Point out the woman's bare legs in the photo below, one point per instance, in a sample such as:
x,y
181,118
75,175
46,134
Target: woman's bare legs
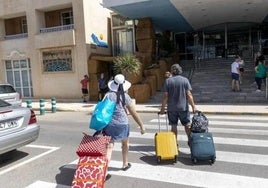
x,y
125,146
109,150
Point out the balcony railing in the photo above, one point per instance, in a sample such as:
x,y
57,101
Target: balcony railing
x,y
57,28
17,36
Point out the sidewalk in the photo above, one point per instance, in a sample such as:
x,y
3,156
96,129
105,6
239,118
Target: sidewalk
x,y
76,106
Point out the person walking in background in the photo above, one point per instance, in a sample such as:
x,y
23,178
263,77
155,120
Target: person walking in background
x,y
102,86
260,75
118,128
259,57
241,69
177,95
235,74
84,83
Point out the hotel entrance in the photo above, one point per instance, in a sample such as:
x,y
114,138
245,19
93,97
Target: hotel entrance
x,y
221,41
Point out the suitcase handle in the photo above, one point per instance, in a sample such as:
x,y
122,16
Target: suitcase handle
x,y
159,123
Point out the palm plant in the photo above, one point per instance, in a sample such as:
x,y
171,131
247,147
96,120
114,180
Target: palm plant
x,y
126,64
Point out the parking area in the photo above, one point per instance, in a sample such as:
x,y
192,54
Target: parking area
x,y
23,156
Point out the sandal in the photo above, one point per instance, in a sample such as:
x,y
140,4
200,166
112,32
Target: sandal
x,y
126,167
108,176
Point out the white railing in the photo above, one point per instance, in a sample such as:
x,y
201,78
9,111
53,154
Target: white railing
x,y
17,36
57,28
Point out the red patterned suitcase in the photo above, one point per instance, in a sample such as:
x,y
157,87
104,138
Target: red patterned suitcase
x,y
90,172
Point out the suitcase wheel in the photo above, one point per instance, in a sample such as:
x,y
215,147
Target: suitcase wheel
x,y
194,160
213,160
158,159
175,159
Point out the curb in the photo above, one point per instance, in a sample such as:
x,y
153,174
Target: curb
x,y
155,111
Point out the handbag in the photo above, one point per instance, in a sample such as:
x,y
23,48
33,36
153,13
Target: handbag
x,y
93,145
102,114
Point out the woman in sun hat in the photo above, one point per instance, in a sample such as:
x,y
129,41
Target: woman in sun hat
x,y
118,128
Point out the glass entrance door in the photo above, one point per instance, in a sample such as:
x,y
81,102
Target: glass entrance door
x,y
18,73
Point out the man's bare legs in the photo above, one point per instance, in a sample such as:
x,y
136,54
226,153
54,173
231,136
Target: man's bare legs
x,y
174,130
235,85
187,129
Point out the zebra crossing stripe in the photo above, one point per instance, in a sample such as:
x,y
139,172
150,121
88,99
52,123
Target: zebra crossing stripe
x,y
237,117
232,117
186,176
224,156
217,140
217,130
43,184
229,123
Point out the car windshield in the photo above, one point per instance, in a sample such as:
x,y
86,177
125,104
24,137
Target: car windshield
x,y
6,89
3,103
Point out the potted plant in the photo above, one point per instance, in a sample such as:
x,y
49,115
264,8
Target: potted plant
x,y
127,64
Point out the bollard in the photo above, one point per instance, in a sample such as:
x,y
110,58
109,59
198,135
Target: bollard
x,y
42,106
53,105
29,104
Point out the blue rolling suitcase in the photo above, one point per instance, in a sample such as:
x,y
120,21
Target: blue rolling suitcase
x,y
202,147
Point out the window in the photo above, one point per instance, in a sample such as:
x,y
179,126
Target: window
x,y
24,25
67,18
15,26
57,60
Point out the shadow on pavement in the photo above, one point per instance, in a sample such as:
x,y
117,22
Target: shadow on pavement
x,y
66,175
11,157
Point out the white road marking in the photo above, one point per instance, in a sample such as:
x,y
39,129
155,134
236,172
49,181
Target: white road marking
x,y
231,117
43,184
237,117
216,130
50,150
217,140
224,156
186,176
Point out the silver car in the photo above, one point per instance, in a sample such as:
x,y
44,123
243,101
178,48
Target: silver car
x,y
18,127
9,94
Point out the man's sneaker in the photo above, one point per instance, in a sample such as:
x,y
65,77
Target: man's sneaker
x,y
258,90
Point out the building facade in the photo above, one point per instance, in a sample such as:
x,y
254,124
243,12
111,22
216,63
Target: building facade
x,y
45,45
205,29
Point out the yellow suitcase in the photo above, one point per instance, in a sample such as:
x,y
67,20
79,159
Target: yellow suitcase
x,y
166,147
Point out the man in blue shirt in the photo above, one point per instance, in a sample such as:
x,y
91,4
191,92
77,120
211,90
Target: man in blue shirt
x,y
102,86
177,95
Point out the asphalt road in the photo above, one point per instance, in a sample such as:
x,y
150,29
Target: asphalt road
x,y
241,147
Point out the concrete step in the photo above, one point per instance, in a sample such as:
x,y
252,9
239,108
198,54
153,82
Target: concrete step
x,y
211,83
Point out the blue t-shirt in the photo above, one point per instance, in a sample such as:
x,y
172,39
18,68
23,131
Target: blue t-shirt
x,y
102,83
119,116
176,87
